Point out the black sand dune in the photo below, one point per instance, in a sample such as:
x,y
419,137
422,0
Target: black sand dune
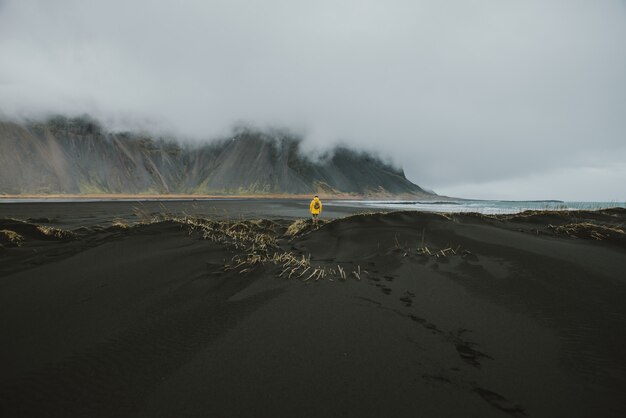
x,y
455,315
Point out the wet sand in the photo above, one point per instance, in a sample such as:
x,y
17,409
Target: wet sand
x,y
517,316
77,214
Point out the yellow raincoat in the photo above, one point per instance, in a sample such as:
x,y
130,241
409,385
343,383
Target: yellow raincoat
x,y
312,208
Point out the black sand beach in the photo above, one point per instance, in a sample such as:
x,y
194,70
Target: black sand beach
x,y
118,309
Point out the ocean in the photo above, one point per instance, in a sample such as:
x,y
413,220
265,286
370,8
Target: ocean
x,y
487,207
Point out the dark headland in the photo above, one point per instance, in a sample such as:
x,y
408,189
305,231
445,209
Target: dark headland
x,y
78,156
236,308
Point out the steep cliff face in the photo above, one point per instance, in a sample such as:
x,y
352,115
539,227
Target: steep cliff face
x,y
78,156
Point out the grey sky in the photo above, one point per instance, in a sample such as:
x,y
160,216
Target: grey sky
x,y
492,99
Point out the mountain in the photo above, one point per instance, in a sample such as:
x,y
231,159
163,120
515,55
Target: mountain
x,y
78,156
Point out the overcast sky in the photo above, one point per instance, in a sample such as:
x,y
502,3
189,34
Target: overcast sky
x,y
503,99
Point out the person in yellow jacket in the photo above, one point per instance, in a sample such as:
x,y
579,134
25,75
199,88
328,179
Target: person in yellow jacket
x,y
316,208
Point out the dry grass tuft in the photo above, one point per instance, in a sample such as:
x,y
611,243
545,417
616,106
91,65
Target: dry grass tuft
x,y
257,244
120,224
532,213
55,233
588,230
242,235
10,238
298,227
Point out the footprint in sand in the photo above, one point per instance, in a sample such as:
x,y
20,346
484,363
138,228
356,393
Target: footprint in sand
x,y
417,319
468,256
468,354
428,325
500,402
407,300
386,290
